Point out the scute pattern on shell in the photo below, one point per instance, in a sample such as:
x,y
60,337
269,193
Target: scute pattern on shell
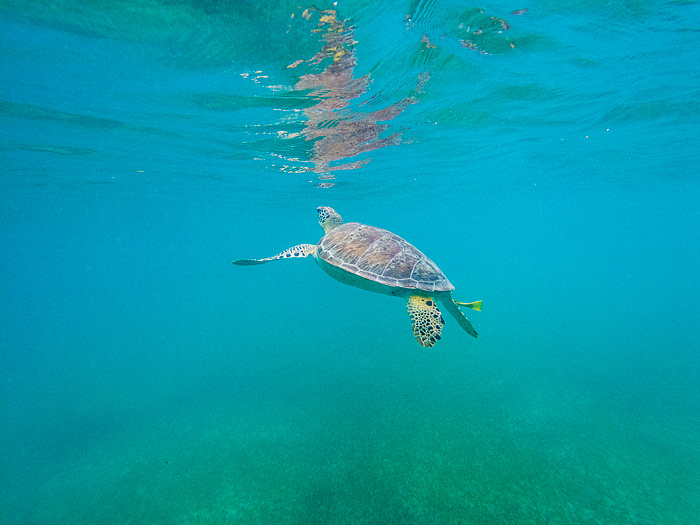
x,y
381,256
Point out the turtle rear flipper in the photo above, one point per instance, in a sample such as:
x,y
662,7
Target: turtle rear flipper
x,y
300,250
452,307
426,319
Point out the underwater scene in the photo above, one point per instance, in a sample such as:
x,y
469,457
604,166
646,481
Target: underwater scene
x,y
415,158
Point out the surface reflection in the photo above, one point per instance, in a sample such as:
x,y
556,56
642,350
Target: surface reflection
x,y
339,130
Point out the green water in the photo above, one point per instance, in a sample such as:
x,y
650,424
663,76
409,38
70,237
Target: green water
x,y
546,160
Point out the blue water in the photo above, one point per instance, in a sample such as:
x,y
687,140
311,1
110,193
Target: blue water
x,y
546,160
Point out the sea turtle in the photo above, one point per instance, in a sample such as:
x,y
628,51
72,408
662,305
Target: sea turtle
x,y
380,261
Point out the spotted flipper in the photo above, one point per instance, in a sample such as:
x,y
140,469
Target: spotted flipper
x,y
426,319
300,250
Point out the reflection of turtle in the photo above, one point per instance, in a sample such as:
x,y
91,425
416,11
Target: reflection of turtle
x,y
379,261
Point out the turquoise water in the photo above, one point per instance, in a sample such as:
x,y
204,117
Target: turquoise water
x,y
547,161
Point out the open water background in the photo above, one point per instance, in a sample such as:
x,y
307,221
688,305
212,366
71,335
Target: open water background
x,y
546,160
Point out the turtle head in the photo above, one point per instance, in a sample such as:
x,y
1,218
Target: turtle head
x,y
328,218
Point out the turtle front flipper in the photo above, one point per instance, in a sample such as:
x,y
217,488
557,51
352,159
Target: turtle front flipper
x,y
300,250
426,319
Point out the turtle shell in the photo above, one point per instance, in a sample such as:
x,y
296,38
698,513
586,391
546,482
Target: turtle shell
x,y
381,256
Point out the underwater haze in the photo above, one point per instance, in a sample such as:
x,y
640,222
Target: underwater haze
x,y
544,155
